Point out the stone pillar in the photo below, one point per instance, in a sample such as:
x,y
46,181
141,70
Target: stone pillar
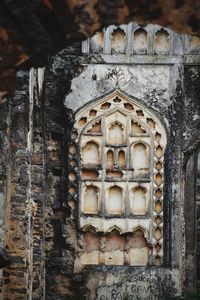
x,y
4,129
190,223
198,226
24,279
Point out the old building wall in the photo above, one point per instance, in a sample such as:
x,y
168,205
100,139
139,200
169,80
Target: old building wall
x,y
155,83
23,182
42,222
4,158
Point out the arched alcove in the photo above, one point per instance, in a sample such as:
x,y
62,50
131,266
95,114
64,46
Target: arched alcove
x,y
110,159
97,42
121,176
161,43
116,134
139,201
114,201
90,153
121,159
118,41
140,158
194,45
91,197
140,43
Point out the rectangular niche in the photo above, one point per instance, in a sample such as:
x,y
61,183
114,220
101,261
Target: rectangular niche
x,y
91,195
115,193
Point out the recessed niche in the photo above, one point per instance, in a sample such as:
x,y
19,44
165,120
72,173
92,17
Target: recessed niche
x,y
128,106
158,260
157,247
72,176
137,249
105,106
91,199
158,193
110,159
158,233
139,206
151,123
158,206
140,41
90,153
96,42
116,134
89,174
158,165
114,201
140,158
161,45
92,113
74,135
71,203
121,178
158,179
96,128
121,159
116,174
158,137
194,45
117,100
159,151
82,121
118,43
139,113
71,190
158,220
136,128
72,149
72,163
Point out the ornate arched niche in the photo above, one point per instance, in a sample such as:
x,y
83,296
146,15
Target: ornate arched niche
x,y
140,41
118,41
162,42
117,164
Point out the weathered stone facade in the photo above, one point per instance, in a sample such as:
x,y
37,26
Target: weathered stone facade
x,y
157,70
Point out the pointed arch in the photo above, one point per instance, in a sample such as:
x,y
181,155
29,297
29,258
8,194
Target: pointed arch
x,y
143,229
115,228
89,227
162,42
129,140
140,41
118,41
